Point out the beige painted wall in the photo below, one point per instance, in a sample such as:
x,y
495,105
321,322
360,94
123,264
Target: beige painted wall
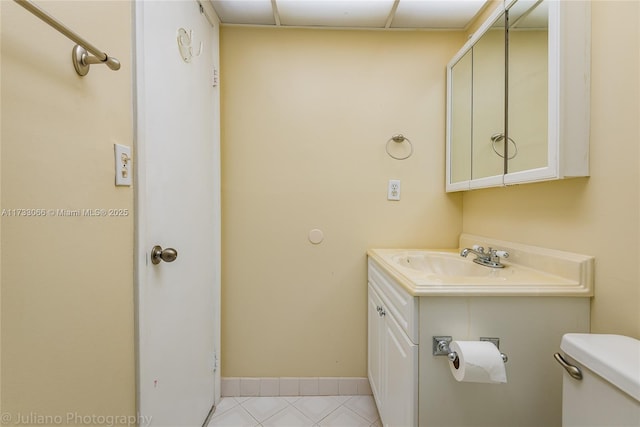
x,y
67,282
599,215
306,115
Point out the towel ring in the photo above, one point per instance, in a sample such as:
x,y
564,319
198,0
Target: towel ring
x,y
399,138
497,137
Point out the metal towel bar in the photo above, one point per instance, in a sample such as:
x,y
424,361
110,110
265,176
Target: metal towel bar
x,y
81,58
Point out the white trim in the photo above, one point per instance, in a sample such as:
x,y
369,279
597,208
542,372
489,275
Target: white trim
x,y
487,181
217,197
140,181
321,27
295,386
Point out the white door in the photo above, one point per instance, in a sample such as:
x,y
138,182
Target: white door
x,y
178,204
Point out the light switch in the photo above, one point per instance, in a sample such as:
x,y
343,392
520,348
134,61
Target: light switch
x,y
124,164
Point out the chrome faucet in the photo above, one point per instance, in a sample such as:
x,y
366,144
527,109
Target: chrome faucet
x,y
491,258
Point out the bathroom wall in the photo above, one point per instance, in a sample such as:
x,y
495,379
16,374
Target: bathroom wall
x,y
67,279
598,215
306,115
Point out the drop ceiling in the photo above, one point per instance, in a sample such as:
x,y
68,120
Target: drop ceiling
x,y
371,14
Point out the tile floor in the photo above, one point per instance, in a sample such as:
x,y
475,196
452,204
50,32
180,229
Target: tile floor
x,y
297,411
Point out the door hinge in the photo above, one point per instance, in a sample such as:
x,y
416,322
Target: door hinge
x,y
215,363
215,77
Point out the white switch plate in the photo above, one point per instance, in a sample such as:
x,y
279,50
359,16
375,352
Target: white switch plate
x,y
124,164
393,190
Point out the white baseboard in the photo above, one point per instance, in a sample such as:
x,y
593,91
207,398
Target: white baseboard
x,y
294,386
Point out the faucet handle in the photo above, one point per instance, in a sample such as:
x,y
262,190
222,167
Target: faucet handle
x,y
503,254
478,248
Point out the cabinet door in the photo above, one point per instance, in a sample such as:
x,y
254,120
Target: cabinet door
x,y
488,103
400,376
538,129
374,328
528,87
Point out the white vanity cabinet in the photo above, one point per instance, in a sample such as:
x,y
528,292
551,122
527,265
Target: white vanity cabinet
x,y
392,349
416,295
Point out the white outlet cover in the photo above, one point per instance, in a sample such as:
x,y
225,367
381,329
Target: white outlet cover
x,y
393,190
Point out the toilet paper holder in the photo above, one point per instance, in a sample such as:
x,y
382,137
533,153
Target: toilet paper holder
x,y
441,347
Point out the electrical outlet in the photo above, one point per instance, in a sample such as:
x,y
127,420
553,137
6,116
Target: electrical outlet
x,y
393,190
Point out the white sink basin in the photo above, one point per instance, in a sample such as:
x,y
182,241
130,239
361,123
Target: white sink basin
x,y
529,270
448,265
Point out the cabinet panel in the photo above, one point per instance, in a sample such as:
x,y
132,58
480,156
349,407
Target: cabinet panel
x,y
400,377
392,354
398,301
374,365
460,120
530,330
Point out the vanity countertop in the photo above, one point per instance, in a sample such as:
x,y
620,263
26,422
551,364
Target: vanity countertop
x,y
528,271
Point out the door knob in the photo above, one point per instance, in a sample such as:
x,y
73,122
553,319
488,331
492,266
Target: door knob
x,y
167,255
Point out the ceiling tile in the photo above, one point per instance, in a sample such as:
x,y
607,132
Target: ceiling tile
x,y
256,12
435,13
335,13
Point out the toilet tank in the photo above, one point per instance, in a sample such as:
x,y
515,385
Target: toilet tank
x,y
609,392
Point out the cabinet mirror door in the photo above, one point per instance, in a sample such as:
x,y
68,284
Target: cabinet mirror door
x,y
476,103
460,116
539,129
488,102
528,146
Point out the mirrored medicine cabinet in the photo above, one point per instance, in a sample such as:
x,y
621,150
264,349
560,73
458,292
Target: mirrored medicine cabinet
x,y
518,97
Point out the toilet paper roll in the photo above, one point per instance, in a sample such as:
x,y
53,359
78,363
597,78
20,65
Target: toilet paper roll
x,y
478,362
